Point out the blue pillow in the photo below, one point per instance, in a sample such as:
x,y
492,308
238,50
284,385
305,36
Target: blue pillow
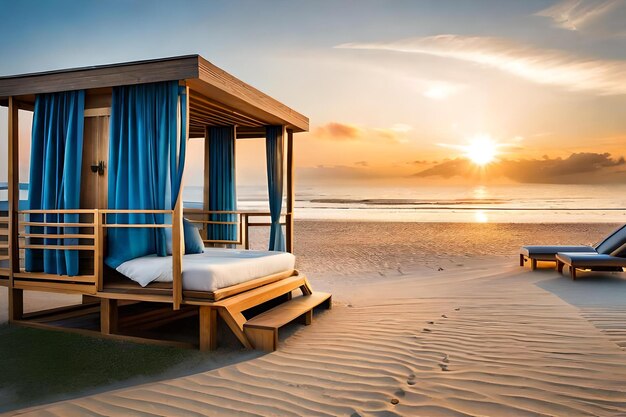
x,y
193,240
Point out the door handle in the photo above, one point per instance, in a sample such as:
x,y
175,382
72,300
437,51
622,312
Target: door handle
x,y
98,168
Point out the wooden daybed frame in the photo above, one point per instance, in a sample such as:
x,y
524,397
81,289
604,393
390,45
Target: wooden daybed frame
x,y
214,97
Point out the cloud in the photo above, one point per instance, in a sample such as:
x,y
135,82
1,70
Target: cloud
x,y
577,168
346,132
362,164
597,17
338,131
543,66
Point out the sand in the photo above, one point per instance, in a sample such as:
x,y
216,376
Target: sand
x,y
480,337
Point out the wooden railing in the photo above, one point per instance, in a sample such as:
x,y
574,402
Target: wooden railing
x,y
37,227
84,230
104,223
4,246
243,221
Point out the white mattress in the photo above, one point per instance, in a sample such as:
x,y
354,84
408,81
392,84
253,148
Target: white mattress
x,y
209,271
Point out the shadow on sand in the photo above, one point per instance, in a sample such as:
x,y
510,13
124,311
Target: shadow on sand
x,y
589,289
43,366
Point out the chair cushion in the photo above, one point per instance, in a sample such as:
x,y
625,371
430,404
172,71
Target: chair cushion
x,y
590,260
613,242
549,252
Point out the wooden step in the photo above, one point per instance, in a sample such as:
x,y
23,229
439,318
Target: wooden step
x,y
262,330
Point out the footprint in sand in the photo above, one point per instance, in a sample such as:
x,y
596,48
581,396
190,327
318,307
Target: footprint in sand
x,y
457,309
444,316
445,359
399,393
431,322
443,366
411,379
395,401
426,330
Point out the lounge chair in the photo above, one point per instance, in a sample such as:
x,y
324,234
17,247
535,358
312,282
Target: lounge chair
x,y
612,245
589,261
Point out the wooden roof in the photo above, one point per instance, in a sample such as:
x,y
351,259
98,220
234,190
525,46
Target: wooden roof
x,y
216,97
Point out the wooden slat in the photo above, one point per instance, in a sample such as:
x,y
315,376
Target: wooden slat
x,y
210,222
239,288
57,211
222,87
60,247
200,211
142,226
287,311
134,211
90,279
153,298
48,224
259,295
60,287
236,242
204,105
56,236
57,311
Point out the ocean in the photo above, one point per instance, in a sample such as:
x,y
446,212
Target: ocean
x,y
523,203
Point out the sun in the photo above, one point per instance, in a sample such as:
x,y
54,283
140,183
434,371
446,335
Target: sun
x,y
481,150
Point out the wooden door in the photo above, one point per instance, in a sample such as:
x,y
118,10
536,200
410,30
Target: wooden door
x,y
93,187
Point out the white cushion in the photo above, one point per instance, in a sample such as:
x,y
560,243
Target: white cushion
x,y
209,271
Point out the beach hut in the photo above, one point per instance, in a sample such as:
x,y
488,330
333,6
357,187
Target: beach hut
x,y
105,216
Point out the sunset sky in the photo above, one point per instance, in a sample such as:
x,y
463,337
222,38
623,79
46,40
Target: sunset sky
x,y
395,90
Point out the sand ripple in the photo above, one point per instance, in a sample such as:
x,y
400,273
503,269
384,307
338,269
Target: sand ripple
x,y
470,342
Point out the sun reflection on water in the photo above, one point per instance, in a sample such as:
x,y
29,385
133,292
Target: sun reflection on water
x,y
480,216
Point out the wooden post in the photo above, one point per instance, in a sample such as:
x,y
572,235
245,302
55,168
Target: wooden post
x,y
16,302
290,191
178,242
208,328
207,172
108,316
98,258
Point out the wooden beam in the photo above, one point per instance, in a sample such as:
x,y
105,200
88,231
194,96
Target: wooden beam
x,y
16,304
14,190
138,72
108,316
208,328
178,240
207,177
290,191
98,266
207,170
218,85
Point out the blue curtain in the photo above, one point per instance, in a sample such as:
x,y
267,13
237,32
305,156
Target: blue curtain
x,y
146,162
274,154
222,187
55,165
